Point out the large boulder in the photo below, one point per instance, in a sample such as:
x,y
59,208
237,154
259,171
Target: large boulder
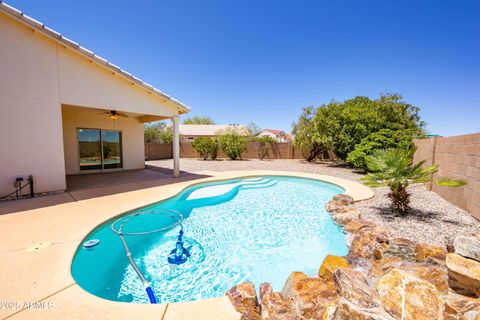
x,y
353,286
345,215
401,248
364,245
330,264
350,311
409,298
468,246
436,275
424,251
244,300
276,307
309,296
458,307
344,198
463,275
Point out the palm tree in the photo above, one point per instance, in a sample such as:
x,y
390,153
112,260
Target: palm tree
x,y
394,168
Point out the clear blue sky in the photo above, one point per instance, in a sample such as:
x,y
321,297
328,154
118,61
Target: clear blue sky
x,y
263,60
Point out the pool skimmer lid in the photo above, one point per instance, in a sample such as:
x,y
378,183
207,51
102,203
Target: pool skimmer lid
x,y
89,244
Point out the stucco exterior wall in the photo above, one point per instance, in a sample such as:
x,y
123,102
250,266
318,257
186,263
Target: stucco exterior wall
x,y
30,117
37,76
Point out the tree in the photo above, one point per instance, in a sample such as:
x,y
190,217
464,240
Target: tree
x,y
307,137
394,168
253,129
382,139
198,120
233,141
206,147
158,132
341,126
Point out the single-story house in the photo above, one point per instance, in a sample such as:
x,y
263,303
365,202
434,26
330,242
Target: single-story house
x,y
188,132
65,110
278,135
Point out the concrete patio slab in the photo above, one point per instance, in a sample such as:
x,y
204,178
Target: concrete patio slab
x,y
208,309
75,303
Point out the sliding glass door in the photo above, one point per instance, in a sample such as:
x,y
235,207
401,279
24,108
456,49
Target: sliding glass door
x,y
99,149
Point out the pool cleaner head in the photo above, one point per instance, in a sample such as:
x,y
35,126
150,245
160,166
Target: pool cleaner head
x,y
180,254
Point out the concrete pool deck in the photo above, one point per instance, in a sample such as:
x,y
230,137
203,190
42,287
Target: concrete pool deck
x,y
37,246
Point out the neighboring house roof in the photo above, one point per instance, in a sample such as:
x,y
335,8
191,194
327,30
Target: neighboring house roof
x,y
203,129
278,133
66,42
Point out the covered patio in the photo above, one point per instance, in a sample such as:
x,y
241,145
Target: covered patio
x,y
70,111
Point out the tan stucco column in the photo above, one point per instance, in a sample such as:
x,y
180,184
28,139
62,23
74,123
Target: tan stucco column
x,y
176,147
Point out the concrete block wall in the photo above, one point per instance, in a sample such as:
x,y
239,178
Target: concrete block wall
x,y
156,151
457,157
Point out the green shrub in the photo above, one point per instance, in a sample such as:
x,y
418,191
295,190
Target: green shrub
x,y
382,139
233,141
206,147
264,145
341,126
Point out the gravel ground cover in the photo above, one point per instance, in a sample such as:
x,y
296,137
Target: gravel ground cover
x,y
433,220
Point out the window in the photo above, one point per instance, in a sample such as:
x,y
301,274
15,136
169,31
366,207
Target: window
x,y
99,149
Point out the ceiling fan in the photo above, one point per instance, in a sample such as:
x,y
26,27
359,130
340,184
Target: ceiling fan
x,y
113,114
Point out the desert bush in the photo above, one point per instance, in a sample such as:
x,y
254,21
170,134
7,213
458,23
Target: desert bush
x,y
206,147
233,141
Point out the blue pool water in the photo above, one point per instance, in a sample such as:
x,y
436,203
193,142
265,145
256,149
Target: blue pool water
x,y
259,230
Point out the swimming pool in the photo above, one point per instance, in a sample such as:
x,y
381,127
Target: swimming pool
x,y
253,229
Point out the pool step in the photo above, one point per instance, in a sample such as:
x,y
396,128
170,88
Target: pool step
x,y
222,189
268,184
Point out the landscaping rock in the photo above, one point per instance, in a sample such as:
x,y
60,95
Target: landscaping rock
x,y
424,251
345,215
458,307
364,245
356,225
346,199
468,246
380,232
276,307
264,289
463,275
401,248
436,261
244,300
436,275
353,286
330,264
364,266
334,206
407,297
350,311
310,296
449,244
